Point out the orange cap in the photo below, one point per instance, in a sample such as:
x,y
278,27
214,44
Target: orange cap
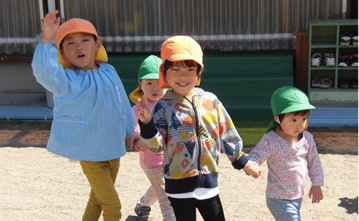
x,y
76,25
179,48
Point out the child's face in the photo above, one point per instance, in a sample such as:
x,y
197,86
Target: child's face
x,y
80,50
292,125
152,90
182,79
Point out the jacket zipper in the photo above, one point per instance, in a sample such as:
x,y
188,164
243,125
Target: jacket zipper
x,y
198,137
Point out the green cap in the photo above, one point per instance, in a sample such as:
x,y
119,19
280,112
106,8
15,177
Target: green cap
x,y
286,100
149,68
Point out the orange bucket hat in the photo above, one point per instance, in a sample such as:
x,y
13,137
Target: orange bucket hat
x,y
179,48
76,25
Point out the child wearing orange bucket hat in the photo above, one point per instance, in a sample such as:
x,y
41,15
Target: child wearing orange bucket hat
x,y
191,126
290,152
92,113
151,163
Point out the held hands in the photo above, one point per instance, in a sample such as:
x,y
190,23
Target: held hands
x,y
252,169
136,144
315,194
50,26
143,112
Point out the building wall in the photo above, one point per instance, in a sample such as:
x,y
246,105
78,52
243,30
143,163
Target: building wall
x,y
18,78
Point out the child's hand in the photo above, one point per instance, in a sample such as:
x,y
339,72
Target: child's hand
x,y
50,26
252,169
316,194
143,112
140,145
130,141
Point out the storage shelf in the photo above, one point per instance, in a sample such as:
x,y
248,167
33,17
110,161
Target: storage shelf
x,y
324,37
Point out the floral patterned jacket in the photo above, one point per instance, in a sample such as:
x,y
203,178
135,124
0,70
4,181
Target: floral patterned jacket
x,y
191,134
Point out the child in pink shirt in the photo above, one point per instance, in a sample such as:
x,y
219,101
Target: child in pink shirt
x,y
151,163
290,152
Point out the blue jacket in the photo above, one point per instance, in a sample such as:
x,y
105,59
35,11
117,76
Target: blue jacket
x,y
92,114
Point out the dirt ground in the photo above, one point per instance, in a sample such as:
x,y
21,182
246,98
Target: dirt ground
x,y
37,185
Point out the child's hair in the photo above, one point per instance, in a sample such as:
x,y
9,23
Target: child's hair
x,y
94,37
296,113
185,63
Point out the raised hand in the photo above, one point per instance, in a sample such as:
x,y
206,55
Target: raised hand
x,y
50,26
143,112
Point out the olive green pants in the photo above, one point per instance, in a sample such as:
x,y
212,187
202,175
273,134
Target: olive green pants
x,y
103,197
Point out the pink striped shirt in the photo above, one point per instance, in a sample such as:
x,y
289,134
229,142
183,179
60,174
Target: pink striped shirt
x,y
147,157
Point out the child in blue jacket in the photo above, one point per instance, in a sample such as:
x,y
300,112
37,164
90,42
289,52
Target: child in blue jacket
x,y
92,114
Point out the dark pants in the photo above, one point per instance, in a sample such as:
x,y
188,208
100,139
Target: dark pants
x,y
185,209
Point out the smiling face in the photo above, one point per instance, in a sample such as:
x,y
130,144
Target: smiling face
x,y
292,125
152,90
80,50
182,78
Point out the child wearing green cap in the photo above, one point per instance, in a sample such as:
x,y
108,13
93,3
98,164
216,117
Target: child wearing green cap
x,y
290,152
191,126
151,163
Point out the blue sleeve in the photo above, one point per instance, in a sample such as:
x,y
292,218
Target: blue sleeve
x,y
130,119
48,71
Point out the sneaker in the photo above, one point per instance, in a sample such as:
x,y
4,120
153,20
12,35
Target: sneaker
x,y
355,39
345,39
329,60
316,82
353,60
143,212
316,59
344,60
326,83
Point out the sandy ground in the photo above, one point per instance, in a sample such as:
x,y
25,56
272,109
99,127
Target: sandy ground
x,y
37,185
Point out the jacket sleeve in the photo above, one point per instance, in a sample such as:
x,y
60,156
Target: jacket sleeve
x,y
129,118
231,142
48,71
155,131
315,169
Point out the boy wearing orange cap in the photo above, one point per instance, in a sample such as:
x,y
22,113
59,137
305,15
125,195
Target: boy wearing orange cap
x,y
92,114
191,126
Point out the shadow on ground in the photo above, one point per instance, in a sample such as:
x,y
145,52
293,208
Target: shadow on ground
x,y
351,205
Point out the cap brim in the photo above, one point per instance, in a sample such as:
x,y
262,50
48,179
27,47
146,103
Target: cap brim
x,y
101,56
298,107
182,57
150,76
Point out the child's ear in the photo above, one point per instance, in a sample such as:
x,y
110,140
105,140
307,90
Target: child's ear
x,y
63,54
276,119
98,43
